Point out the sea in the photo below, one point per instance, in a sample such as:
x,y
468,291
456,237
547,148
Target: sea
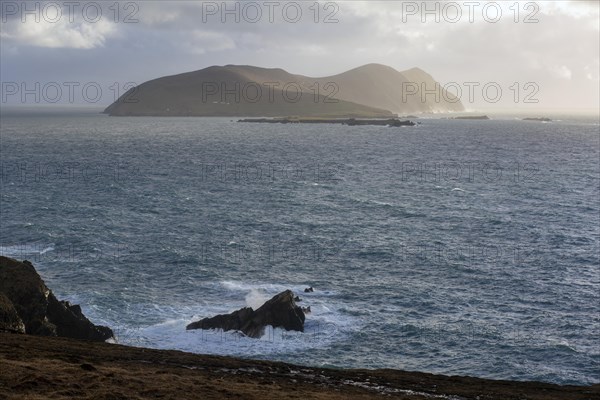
x,y
459,247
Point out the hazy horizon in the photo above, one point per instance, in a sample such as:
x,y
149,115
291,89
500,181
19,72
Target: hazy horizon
x,y
547,61
9,109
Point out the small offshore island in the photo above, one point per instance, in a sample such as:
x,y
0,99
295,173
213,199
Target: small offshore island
x,y
473,117
392,122
49,349
538,119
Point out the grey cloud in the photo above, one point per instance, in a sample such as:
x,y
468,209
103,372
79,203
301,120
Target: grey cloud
x,y
171,37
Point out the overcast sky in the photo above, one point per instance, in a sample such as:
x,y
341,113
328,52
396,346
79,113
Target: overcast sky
x,y
557,51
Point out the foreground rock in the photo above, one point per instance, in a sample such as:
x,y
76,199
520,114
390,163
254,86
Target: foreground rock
x,y
28,306
33,367
279,312
9,318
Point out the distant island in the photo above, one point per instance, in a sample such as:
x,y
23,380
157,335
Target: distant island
x,y
370,91
539,119
391,122
477,117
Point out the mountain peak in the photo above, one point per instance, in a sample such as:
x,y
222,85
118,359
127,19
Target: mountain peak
x,y
371,90
374,68
416,70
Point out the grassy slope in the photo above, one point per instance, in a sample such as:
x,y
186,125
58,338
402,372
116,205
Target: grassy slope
x,y
41,367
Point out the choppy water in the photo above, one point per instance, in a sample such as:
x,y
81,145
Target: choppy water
x,y
455,247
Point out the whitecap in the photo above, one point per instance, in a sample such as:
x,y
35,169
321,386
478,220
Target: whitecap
x,y
171,334
271,288
255,298
381,203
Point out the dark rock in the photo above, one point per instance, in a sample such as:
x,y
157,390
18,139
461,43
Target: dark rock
x,y
38,309
539,119
87,367
309,290
298,299
397,122
349,122
9,318
480,117
228,322
306,310
280,312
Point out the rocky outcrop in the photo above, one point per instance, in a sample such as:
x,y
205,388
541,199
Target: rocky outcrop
x,y
539,119
478,117
9,318
38,310
279,312
392,122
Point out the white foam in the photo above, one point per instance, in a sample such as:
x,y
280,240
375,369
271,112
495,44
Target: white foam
x,y
381,203
271,289
246,287
255,299
172,334
325,325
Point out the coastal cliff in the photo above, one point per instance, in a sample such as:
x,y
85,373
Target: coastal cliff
x,y
27,305
36,363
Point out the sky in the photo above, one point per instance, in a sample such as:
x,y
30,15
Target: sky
x,y
497,55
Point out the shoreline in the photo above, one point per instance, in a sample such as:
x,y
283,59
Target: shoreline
x,y
36,367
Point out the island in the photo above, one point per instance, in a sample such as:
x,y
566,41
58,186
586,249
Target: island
x,y
474,117
539,119
369,91
392,122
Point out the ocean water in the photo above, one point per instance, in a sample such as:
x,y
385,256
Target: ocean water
x,y
454,247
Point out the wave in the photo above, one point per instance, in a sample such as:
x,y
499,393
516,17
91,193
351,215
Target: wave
x,y
270,288
171,334
319,332
370,202
161,324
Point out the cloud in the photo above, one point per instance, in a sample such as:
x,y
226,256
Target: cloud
x,y
61,34
592,71
573,8
561,72
560,51
200,41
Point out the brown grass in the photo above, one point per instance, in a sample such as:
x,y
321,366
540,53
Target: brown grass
x,y
34,367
